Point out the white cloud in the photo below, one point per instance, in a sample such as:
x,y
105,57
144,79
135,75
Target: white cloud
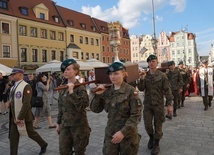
x,y
180,5
131,12
128,12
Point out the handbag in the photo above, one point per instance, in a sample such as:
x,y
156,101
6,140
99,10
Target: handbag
x,y
37,102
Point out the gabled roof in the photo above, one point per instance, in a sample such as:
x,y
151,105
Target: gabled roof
x,y
74,46
15,5
78,19
102,26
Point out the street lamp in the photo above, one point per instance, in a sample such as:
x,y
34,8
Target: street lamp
x,y
154,40
114,37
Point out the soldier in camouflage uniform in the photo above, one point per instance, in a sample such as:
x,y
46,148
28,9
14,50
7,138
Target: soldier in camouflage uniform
x,y
124,107
186,83
176,82
155,84
72,123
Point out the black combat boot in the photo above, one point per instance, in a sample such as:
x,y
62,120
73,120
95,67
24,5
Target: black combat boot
x,y
210,104
182,104
179,104
174,113
151,141
156,148
43,149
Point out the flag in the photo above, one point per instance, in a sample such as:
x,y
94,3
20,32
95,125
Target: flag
x,y
143,50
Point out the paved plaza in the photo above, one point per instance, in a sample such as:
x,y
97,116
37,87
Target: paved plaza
x,y
191,133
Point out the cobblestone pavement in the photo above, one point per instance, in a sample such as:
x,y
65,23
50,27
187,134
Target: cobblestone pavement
x,y
190,133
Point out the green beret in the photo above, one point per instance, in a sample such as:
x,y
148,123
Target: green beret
x,y
151,57
180,62
170,63
115,66
67,63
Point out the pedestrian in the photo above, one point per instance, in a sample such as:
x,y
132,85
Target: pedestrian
x,y
92,86
21,117
42,89
123,105
3,95
195,81
186,83
155,84
32,82
72,123
176,82
206,80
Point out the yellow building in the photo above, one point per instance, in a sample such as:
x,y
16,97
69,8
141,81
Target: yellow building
x,y
8,41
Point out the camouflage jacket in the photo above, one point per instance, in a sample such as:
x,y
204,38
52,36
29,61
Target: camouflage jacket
x,y
175,79
155,86
185,75
124,109
71,107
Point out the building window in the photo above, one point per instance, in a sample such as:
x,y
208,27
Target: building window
x,y
103,38
86,40
42,16
44,55
104,59
81,39
56,19
53,55
97,42
52,35
24,11
83,25
22,30
61,57
5,28
92,41
75,54
34,55
189,51
33,32
92,55
71,22
93,28
44,33
23,55
6,51
87,56
4,5
82,55
97,56
103,28
61,36
72,38
178,51
103,48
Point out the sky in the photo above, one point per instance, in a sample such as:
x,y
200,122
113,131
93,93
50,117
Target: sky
x,y
194,16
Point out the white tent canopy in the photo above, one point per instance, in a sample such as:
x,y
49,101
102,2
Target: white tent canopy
x,y
5,70
96,63
54,66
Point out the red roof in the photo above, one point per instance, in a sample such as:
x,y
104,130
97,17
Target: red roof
x,y
78,19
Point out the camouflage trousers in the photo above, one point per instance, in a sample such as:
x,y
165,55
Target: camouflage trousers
x,y
175,94
128,146
182,95
72,141
157,113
